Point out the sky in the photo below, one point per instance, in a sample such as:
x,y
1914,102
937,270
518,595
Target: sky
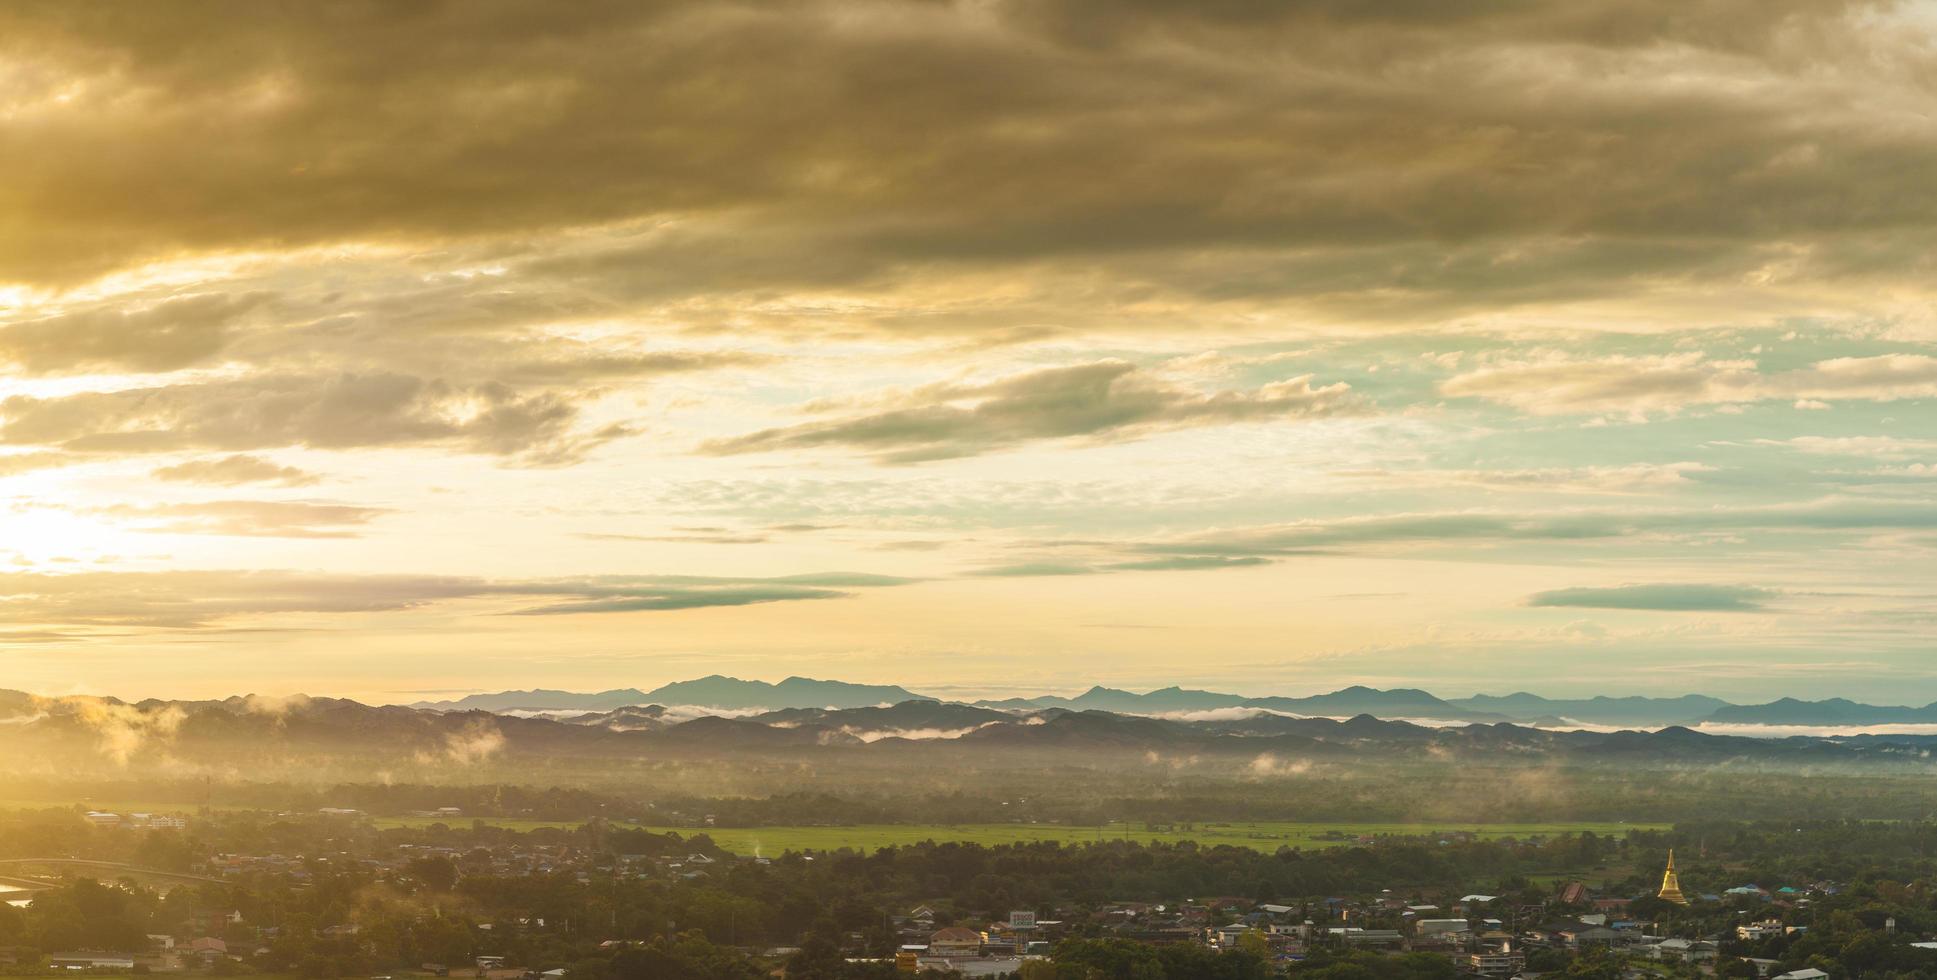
x,y
400,350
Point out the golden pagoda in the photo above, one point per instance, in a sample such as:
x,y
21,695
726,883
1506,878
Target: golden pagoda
x,y
1671,885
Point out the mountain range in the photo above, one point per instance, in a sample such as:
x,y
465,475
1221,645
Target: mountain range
x,y
794,723
308,735
713,691
736,695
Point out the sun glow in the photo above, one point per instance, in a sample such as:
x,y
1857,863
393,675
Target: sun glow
x,y
43,536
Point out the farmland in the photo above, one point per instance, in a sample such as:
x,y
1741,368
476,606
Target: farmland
x,y
1262,836
775,839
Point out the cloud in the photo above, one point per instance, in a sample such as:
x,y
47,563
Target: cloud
x,y
1268,764
1187,563
912,734
322,354
193,599
1624,479
1663,598
1036,569
169,335
121,730
457,229
912,544
612,366
656,600
1559,384
13,464
1814,731
1408,159
229,471
208,599
1179,563
1822,668
1100,400
44,636
1827,515
837,579
275,706
1893,448
322,412
477,742
710,535
687,536
248,518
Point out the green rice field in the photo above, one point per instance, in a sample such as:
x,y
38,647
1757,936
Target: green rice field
x,y
1263,835
1266,836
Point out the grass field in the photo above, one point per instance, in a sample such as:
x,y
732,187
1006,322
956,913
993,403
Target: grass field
x,y
149,806
509,823
1263,836
1259,836
107,803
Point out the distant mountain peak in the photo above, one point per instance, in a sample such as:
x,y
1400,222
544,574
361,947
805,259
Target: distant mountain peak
x,y
721,691
717,691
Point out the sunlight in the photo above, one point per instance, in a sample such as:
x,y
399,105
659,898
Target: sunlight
x,y
37,535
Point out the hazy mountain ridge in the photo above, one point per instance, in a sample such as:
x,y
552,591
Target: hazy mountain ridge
x,y
722,694
542,700
1832,711
713,691
907,715
800,693
1599,710
251,732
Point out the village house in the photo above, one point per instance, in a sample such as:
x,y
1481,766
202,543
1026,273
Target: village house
x,y
1500,963
954,941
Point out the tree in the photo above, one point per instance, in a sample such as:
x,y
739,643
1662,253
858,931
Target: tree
x,y
436,873
1045,970
1254,943
1734,967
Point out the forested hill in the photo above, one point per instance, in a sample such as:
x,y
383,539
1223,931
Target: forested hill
x,y
732,694
254,735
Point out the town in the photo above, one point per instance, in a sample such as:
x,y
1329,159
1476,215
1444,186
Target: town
x,y
338,893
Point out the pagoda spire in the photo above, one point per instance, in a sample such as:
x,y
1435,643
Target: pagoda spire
x,y
1671,884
